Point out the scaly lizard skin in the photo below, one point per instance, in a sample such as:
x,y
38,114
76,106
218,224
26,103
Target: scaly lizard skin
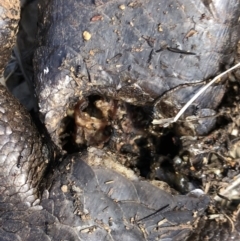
x,y
47,195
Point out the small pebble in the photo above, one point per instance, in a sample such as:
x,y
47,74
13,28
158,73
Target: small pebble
x,y
86,35
234,132
160,28
122,7
64,188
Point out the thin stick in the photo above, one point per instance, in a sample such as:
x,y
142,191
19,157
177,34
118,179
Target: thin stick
x,y
201,91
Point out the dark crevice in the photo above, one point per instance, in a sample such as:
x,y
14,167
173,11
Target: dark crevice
x,y
149,150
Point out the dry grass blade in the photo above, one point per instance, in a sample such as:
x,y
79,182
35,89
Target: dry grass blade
x,y
201,91
227,192
166,122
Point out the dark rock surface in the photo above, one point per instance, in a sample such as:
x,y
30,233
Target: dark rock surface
x,y
138,52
